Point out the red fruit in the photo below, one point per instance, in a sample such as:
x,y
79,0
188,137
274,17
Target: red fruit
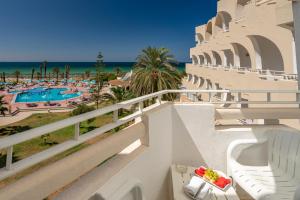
x,y
222,182
202,168
199,172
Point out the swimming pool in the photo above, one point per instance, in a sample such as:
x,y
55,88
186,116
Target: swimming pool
x,y
45,94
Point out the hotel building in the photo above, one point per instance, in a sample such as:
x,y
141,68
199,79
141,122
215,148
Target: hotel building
x,y
249,44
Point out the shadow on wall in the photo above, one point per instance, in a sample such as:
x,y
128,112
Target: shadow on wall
x,y
185,151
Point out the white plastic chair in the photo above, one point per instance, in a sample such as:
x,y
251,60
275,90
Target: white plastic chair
x,y
277,180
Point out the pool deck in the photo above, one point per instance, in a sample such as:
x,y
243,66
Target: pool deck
x,y
41,107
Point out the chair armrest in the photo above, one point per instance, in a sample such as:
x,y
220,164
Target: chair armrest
x,y
236,147
297,193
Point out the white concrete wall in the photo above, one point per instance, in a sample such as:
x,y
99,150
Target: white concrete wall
x,y
296,10
178,134
198,121
152,166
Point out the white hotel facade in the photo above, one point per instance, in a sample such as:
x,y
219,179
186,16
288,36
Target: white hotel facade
x,y
249,44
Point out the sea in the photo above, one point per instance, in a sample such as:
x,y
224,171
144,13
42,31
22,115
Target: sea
x,y
76,67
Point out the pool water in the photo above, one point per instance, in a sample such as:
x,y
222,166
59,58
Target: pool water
x,y
44,94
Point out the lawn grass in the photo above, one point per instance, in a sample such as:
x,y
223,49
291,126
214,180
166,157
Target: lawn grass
x,y
30,147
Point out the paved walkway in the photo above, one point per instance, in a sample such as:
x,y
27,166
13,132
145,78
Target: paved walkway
x,y
9,120
23,115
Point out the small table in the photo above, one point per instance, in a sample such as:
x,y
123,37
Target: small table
x,y
180,179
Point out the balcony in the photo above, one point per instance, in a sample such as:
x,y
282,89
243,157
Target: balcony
x,y
140,156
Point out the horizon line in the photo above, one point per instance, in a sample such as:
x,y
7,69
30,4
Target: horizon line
x,y
78,61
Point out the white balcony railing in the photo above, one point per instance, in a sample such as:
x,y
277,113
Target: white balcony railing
x,y
275,74
9,141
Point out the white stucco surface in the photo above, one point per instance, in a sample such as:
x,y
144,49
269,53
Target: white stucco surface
x,y
177,134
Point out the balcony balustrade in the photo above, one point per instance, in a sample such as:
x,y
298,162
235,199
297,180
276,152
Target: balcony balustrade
x,y
9,142
264,73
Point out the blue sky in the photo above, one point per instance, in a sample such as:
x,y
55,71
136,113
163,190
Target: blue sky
x,y
75,30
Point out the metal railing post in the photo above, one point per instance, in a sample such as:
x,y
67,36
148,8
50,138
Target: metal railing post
x,y
158,100
238,99
141,107
268,96
77,131
116,115
9,157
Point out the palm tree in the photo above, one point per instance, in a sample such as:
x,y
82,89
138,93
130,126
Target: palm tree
x,y
2,108
32,73
155,70
41,70
56,72
87,74
67,72
38,75
118,71
45,68
17,75
116,95
3,77
99,78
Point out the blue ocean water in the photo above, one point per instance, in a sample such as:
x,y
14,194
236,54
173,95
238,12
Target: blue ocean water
x,y
76,67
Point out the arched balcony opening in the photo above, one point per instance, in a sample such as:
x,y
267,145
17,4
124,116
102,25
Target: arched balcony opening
x,y
217,59
201,60
199,38
241,56
228,58
222,21
195,60
208,32
207,59
267,55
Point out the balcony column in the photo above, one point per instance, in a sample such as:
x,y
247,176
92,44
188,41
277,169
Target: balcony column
x,y
236,56
205,60
295,70
258,59
199,81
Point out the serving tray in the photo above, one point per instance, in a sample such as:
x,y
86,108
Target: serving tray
x,y
214,185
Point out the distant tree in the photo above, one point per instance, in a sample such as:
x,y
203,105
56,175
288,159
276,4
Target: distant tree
x,y
3,109
155,70
38,75
87,74
49,76
82,108
41,70
99,78
3,77
56,72
45,68
67,72
32,73
62,75
118,71
118,94
17,74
